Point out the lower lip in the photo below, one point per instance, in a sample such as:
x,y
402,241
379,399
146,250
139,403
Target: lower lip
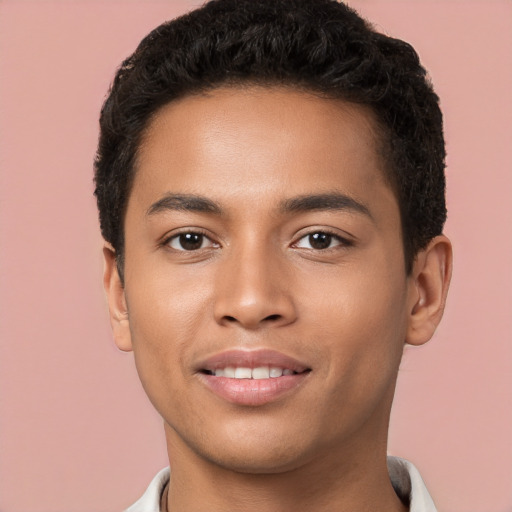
x,y
253,392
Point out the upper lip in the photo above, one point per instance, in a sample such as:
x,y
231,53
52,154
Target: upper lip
x,y
251,359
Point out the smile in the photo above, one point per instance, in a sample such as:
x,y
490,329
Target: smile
x,y
252,378
261,372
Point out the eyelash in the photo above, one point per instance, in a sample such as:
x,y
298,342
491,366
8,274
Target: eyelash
x,y
342,242
167,241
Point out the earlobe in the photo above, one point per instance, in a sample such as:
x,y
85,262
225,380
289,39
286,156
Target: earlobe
x,y
116,298
430,280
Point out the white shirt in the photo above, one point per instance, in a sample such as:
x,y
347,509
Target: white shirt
x,y
404,476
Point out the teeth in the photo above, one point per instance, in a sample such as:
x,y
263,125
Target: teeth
x,y
243,373
229,371
261,372
276,372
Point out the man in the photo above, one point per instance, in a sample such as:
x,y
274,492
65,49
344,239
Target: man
x,y
270,180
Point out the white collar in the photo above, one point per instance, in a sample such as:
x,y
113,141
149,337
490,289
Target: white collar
x,y
150,500
409,485
405,478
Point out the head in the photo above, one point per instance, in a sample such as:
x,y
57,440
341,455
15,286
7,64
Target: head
x,y
319,46
271,192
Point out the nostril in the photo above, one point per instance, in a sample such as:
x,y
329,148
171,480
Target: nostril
x,y
269,318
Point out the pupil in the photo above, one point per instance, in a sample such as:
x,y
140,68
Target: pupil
x,y
191,241
320,240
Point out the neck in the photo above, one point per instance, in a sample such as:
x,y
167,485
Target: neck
x,y
353,477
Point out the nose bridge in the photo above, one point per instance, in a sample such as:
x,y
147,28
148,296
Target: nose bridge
x,y
251,289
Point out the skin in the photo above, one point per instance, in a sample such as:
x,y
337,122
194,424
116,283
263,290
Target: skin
x,y
258,282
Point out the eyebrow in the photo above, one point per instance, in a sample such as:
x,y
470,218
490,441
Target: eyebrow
x,y
185,203
328,201
305,203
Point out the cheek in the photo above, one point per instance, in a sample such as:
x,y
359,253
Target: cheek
x,y
166,305
166,313
362,302
361,318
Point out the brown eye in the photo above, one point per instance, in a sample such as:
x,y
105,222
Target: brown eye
x,y
189,241
319,241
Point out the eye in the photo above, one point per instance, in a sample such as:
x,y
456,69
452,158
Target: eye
x,y
190,241
320,240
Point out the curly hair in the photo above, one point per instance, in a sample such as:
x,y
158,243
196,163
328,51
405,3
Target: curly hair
x,y
320,46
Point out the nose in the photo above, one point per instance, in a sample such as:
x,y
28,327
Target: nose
x,y
254,291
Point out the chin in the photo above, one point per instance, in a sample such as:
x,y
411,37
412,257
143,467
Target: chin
x,y
266,451
257,461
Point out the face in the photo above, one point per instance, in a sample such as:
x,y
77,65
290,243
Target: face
x,y
266,298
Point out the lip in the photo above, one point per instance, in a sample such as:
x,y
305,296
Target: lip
x,y
251,359
252,392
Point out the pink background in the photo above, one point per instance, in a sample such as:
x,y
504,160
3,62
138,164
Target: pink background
x,y
76,431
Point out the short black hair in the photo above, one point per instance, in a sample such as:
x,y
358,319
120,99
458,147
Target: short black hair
x,y
320,46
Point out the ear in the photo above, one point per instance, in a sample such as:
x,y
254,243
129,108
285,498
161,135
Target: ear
x,y
116,300
429,284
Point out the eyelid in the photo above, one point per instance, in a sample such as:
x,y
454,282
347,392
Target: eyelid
x,y
344,241
165,241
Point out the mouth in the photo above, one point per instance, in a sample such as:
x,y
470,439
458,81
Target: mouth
x,y
252,378
260,372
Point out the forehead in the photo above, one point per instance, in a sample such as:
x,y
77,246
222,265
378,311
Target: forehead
x,y
255,142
